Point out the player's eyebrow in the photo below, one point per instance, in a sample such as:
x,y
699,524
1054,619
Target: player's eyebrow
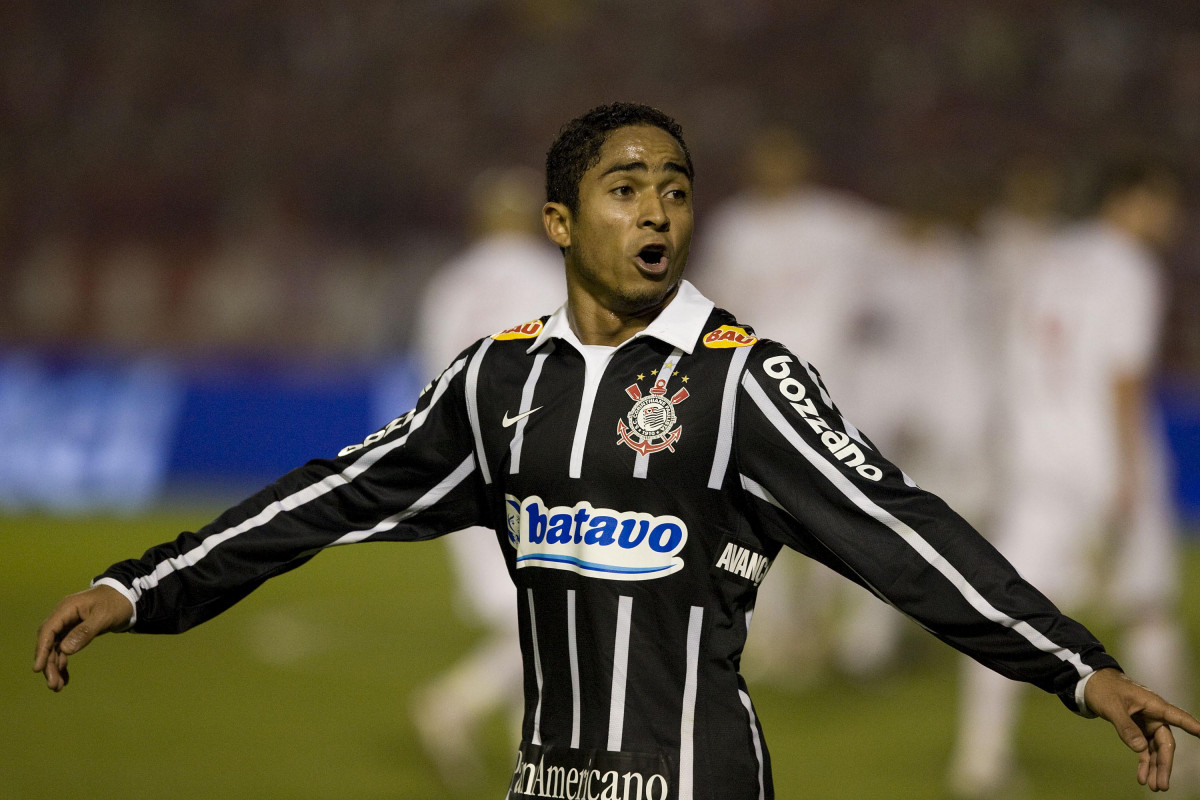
x,y
640,166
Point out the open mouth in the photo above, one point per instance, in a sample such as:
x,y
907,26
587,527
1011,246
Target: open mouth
x,y
653,258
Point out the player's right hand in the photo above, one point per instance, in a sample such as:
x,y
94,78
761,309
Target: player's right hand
x,y
1143,721
75,621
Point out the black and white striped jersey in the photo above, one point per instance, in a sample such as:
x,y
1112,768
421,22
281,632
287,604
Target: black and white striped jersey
x,y
639,494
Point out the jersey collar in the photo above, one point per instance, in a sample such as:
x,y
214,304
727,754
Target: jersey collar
x,y
679,324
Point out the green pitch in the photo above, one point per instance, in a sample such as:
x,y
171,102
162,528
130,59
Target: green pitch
x,y
302,691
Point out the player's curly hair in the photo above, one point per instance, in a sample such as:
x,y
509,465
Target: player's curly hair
x,y
577,148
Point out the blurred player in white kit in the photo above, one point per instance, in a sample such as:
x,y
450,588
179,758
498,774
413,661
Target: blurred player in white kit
x,y
791,254
509,273
920,340
1083,512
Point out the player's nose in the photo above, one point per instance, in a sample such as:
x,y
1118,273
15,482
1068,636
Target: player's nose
x,y
652,214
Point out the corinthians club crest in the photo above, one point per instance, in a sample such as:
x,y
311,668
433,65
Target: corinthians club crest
x,y
652,419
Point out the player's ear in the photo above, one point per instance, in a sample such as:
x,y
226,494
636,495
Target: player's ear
x,y
557,219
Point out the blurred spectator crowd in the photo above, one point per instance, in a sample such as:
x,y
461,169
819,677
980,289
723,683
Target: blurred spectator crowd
x,y
273,178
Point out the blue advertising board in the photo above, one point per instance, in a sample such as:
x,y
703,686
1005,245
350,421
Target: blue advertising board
x,y
80,434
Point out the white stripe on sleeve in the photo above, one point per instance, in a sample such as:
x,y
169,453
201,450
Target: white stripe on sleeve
x,y
914,540
425,501
472,389
368,459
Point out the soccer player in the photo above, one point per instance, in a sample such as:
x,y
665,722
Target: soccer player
x,y
509,271
811,243
642,457
1083,503
921,338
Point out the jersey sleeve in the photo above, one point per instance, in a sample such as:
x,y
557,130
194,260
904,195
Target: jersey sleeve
x,y
815,483
415,479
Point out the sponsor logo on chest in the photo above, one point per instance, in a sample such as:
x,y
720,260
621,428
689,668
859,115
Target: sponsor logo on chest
x,y
595,542
588,775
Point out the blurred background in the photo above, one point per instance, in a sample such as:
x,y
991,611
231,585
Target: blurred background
x,y
217,223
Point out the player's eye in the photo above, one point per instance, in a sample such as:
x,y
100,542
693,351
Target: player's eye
x,y
622,190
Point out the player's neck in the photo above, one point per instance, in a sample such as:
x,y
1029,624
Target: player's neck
x,y
595,323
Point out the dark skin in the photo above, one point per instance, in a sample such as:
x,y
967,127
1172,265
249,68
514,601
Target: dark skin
x,y
625,250
626,247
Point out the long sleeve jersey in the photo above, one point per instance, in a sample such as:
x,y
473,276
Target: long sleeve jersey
x,y
639,494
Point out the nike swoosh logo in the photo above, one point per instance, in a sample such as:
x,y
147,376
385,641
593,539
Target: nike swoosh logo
x,y
507,421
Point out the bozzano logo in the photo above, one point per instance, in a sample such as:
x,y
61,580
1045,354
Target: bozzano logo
x,y
383,433
595,542
840,444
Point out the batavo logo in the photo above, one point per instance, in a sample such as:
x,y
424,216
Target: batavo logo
x,y
729,336
595,542
526,330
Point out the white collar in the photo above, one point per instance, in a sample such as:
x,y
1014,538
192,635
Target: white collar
x,y
679,324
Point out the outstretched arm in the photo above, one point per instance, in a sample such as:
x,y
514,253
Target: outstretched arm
x,y
415,479
75,621
1142,720
814,482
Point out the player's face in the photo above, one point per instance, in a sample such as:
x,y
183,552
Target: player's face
x,y
627,245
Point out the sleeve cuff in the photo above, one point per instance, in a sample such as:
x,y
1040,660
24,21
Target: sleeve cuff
x,y
128,595
1081,706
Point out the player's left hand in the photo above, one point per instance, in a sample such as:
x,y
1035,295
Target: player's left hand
x,y
1142,720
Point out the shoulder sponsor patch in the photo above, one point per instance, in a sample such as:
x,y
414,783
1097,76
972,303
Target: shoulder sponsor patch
x,y
729,336
526,330
595,542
